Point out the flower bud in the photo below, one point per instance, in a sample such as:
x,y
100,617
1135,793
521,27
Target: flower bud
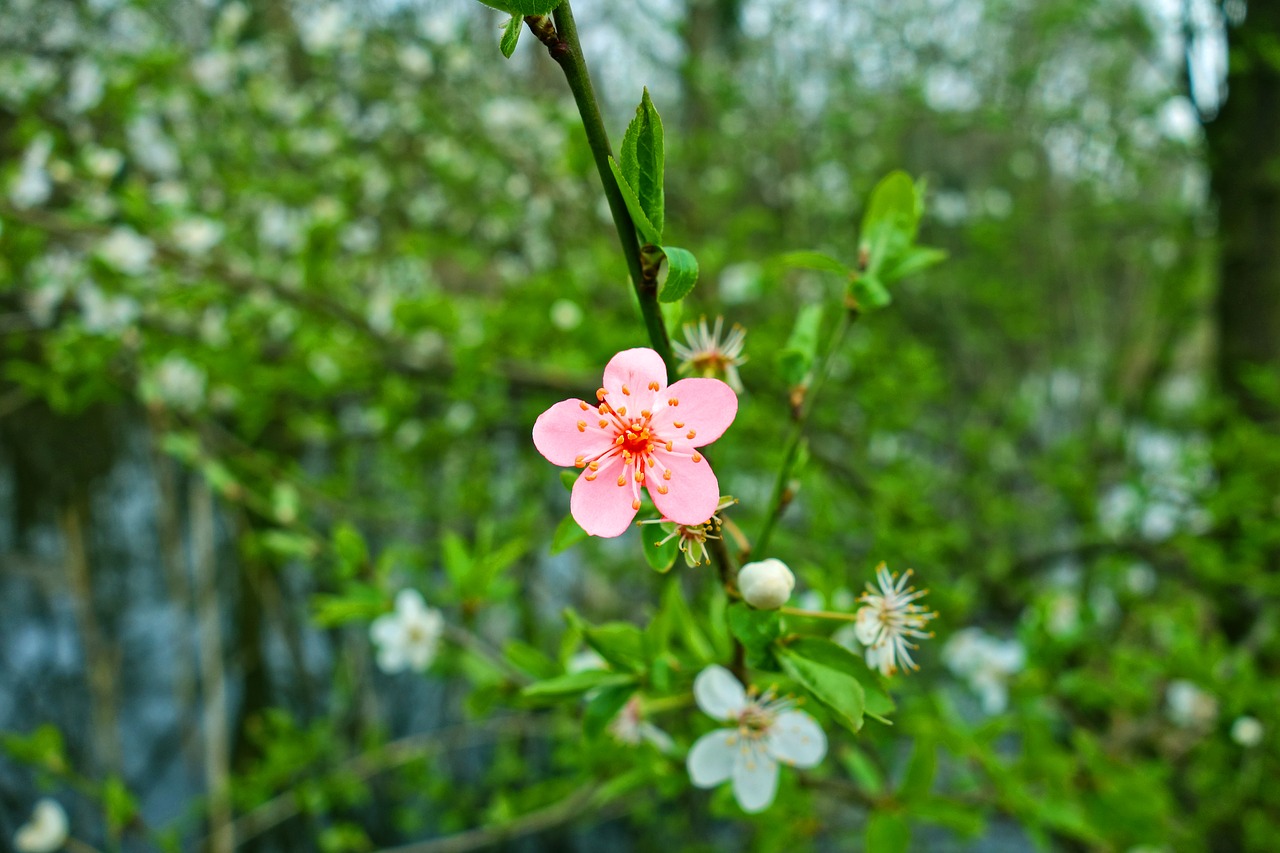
x,y
766,584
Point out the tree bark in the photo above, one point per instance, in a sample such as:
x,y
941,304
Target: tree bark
x,y
1244,160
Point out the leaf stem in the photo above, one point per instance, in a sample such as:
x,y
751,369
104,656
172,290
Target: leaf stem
x,y
566,50
781,497
819,614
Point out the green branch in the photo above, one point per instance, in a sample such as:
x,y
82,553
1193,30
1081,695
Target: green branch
x,y
563,45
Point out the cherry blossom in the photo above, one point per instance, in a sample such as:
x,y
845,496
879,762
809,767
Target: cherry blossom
x,y
766,730
889,616
45,832
409,637
639,434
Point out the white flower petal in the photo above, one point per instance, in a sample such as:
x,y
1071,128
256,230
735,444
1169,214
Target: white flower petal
x,y
712,757
391,659
718,693
867,625
657,737
45,832
796,738
409,604
386,631
755,780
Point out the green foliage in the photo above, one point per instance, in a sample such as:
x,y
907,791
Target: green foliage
x,y
681,274
830,674
641,162
511,35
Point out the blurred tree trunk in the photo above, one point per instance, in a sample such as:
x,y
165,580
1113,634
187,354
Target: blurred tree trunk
x,y
1244,160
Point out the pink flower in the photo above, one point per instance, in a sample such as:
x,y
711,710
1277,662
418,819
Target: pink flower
x,y
640,434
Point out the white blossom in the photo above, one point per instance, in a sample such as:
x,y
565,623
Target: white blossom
x,y
766,584
33,186
126,250
710,352
888,616
1247,731
765,731
409,637
1190,707
151,148
85,88
177,383
986,663
630,727
197,235
45,832
104,314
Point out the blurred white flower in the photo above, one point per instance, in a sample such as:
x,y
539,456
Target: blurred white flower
x,y
740,283
706,353
584,661
889,616
45,832
43,300
280,227
84,90
1140,579
1247,731
415,61
33,186
409,637
103,163
197,235
1189,706
103,314
126,250
1063,614
322,29
630,727
150,146
566,315
359,237
766,584
212,72
177,383
765,731
986,663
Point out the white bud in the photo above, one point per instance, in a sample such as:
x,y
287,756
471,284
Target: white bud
x,y
767,584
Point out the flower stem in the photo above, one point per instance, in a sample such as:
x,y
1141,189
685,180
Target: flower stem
x,y
566,50
781,497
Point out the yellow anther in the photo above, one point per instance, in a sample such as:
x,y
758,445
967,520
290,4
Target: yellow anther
x,y
697,458
639,476
601,394
645,413
580,462
590,477
666,475
582,426
583,405
691,434
626,390
678,424
662,490
594,466
654,386
622,480
673,402
622,411
635,504
603,423
669,446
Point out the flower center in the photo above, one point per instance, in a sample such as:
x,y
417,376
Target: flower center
x,y
637,438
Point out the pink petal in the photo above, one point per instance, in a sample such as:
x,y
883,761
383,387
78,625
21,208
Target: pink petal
x,y
600,506
692,492
557,437
634,370
707,408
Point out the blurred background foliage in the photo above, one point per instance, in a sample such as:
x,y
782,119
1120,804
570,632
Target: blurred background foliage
x,y
283,287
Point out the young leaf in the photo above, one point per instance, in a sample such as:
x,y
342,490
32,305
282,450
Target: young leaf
x,y
575,683
915,259
814,261
620,643
641,161
681,274
869,293
795,360
638,216
568,533
603,707
890,222
829,672
523,7
511,35
529,659
756,630
887,832
660,557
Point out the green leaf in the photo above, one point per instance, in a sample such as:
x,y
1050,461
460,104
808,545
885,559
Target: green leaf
x,y
568,477
568,533
814,261
511,35
638,216
829,672
681,271
677,611
576,683
915,259
887,832
756,630
863,770
620,643
795,360
869,293
523,7
604,706
350,548
890,222
660,557
921,769
529,659
641,161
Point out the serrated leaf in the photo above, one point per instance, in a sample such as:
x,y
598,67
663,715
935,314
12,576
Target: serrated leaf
x,y
681,274
641,161
829,673
603,707
660,557
814,261
511,35
576,683
638,216
568,533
